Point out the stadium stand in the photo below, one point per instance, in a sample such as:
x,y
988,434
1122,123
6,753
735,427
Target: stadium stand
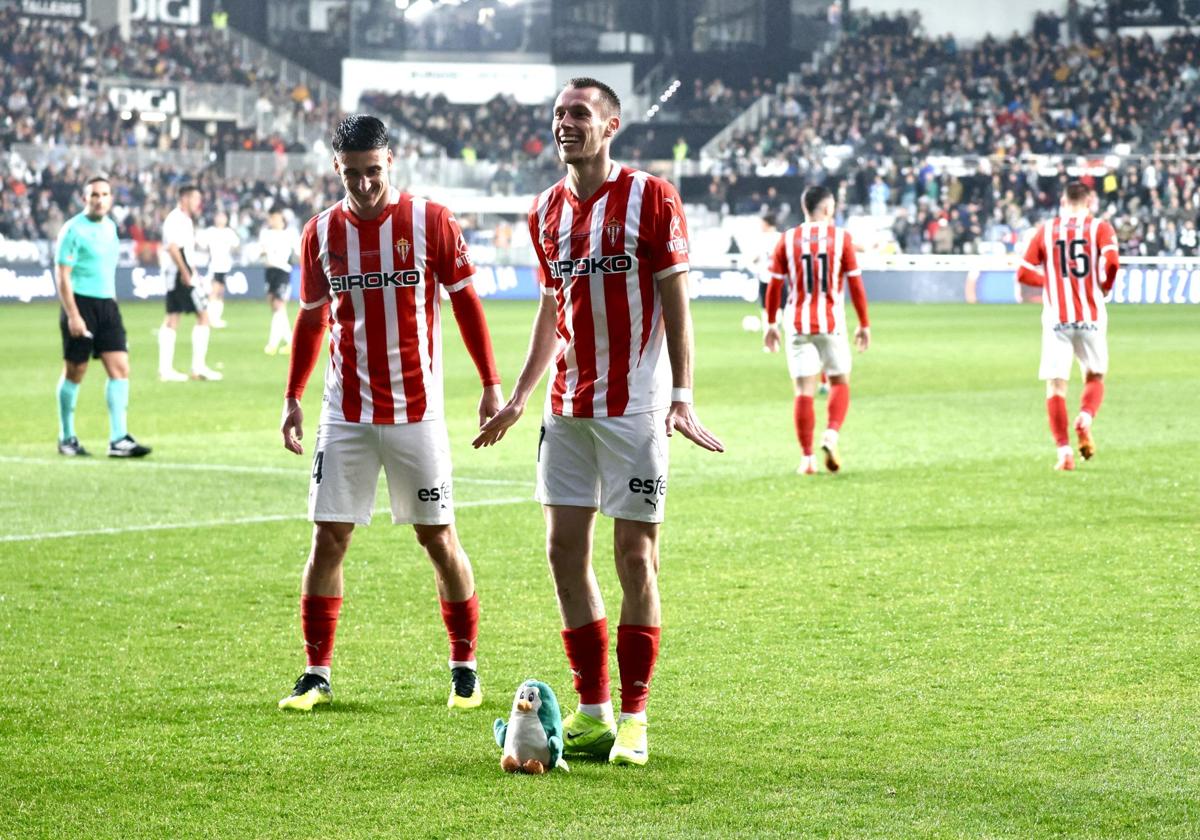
x,y
946,144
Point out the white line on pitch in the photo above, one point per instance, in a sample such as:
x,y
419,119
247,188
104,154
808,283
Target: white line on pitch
x,y
248,520
229,468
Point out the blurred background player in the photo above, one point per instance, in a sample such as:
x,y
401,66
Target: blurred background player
x,y
85,262
1074,258
816,259
184,290
612,245
221,242
279,244
372,267
764,246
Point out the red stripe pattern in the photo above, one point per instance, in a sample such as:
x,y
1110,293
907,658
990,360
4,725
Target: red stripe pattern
x,y
381,278
1070,252
817,259
602,260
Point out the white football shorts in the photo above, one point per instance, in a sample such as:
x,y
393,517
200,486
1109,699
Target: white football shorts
x,y
809,355
1061,343
616,464
414,456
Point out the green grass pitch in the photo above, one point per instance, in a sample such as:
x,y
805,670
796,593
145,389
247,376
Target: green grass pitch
x,y
946,640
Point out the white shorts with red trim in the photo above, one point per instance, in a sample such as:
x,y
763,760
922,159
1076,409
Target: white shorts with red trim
x,y
414,456
1086,341
616,464
810,355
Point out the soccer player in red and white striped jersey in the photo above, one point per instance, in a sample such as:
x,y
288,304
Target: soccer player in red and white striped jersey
x,y
817,260
612,246
1074,259
372,269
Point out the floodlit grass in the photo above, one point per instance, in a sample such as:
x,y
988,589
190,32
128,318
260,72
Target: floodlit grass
x,y
946,640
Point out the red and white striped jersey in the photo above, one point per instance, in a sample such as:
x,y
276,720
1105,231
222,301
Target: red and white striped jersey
x,y
601,260
817,259
1070,253
381,279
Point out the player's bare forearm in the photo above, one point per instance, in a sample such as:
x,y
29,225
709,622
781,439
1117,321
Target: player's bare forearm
x,y
677,320
543,342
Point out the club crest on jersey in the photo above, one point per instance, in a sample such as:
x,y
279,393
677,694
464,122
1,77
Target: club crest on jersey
x,y
403,247
549,240
612,230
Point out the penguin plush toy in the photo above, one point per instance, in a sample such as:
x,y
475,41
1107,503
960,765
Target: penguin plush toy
x,y
532,740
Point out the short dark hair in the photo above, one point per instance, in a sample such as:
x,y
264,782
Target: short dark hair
x,y
812,198
607,95
768,219
95,179
188,188
360,133
1078,192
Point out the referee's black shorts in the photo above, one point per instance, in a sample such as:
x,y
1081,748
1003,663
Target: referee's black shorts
x,y
103,320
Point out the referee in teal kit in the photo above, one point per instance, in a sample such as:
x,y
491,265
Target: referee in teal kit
x,y
85,264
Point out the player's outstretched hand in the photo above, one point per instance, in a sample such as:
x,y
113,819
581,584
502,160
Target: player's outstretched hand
x,y
493,430
862,338
292,426
680,416
490,403
771,340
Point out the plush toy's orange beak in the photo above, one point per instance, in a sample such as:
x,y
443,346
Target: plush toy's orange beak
x,y
524,706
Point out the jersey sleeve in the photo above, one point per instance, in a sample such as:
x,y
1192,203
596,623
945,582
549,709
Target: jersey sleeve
x,y
1031,272
67,250
849,257
452,259
314,285
779,266
546,281
668,237
1106,239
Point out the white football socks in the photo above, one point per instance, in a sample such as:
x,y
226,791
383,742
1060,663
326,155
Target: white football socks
x,y
216,308
455,664
279,328
200,347
319,670
600,711
635,715
166,349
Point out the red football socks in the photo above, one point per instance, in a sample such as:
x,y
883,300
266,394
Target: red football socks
x,y
587,654
637,651
1093,395
318,622
462,626
802,414
839,404
1056,408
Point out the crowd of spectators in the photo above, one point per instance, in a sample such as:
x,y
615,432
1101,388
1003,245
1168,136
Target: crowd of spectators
x,y
906,96
34,203
50,86
502,129
881,112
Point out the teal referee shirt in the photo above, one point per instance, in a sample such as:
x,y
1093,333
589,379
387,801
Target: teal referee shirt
x,y
90,249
